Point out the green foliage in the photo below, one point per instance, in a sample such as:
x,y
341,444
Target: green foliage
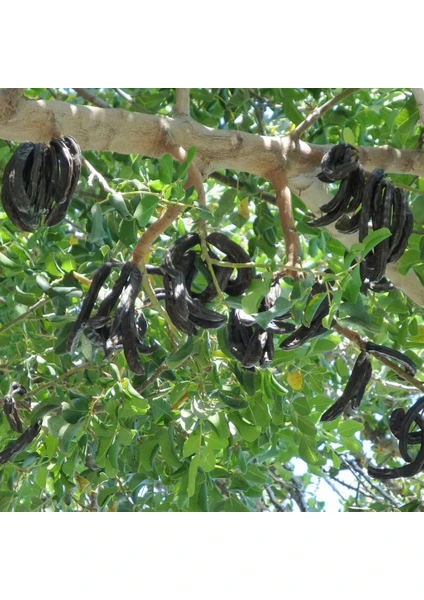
x,y
197,432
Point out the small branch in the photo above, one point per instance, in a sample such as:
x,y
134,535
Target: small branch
x,y
357,340
25,315
334,488
55,382
182,103
124,95
151,234
274,501
318,112
96,175
90,97
357,471
350,335
419,97
239,185
9,102
288,226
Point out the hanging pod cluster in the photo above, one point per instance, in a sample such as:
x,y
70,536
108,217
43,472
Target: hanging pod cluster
x,y
362,203
114,329
401,424
11,412
38,182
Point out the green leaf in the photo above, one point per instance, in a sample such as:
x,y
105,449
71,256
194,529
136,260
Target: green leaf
x,y
181,354
301,406
146,209
128,232
348,136
52,267
166,169
192,444
374,238
308,451
206,458
97,233
10,264
306,426
349,428
312,307
192,474
117,201
247,431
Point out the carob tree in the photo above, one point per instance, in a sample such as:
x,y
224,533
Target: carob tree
x,y
188,333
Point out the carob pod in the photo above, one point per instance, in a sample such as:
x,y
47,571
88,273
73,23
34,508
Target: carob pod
x,y
21,443
405,361
97,329
347,199
128,325
367,200
378,259
338,163
69,160
354,390
12,415
303,334
10,408
401,424
39,181
97,282
234,253
179,270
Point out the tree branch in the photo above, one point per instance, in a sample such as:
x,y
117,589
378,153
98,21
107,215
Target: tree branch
x,y
182,104
90,97
239,185
419,97
122,131
9,102
318,112
288,225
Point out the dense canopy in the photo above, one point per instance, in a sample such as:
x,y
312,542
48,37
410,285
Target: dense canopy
x,y
195,315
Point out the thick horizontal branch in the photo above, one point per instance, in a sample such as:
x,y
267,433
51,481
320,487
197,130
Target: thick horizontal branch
x,y
117,130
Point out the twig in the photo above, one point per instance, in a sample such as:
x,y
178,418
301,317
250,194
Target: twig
x,y
239,185
151,234
23,316
96,175
334,488
54,383
278,505
90,97
147,287
182,103
358,471
124,95
356,339
419,97
350,335
318,112
294,487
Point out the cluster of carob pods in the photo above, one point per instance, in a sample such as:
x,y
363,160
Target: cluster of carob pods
x,y
374,201
38,182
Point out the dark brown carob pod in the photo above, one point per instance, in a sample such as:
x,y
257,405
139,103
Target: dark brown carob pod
x,y
38,182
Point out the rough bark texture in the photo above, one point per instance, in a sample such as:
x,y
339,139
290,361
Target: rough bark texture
x,y
117,130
